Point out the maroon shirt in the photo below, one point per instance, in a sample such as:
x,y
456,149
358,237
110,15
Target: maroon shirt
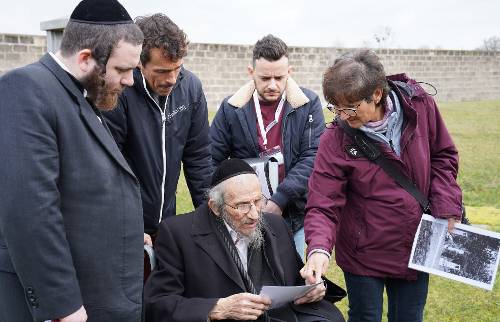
x,y
274,135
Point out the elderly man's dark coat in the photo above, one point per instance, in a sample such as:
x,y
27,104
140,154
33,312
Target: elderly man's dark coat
x,y
195,269
71,230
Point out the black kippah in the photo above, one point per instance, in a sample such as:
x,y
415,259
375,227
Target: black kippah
x,y
230,168
103,12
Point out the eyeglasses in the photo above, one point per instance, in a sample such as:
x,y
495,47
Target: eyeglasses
x,y
349,111
245,207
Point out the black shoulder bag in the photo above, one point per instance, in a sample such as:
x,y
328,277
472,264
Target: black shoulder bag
x,y
370,150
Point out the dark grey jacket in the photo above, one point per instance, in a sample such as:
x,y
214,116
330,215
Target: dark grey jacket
x,y
155,140
70,210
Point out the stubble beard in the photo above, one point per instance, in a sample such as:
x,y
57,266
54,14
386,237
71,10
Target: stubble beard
x,y
263,94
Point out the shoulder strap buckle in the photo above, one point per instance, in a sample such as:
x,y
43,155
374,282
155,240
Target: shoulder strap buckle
x,y
368,149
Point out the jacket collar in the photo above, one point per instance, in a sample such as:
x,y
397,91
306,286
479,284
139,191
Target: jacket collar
x,y
294,94
406,85
203,234
408,92
64,78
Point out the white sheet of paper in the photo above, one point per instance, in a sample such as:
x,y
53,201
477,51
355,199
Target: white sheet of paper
x,y
281,295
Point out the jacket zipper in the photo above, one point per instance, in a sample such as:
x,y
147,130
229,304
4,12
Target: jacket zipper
x,y
283,127
164,157
163,151
310,128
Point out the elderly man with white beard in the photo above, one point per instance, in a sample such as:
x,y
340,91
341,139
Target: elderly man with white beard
x,y
213,262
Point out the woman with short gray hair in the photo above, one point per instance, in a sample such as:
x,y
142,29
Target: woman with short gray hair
x,y
354,205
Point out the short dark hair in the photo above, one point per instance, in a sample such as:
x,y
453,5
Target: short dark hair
x,y
161,32
100,39
270,48
354,76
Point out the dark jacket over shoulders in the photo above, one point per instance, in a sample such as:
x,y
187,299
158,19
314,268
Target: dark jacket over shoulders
x,y
195,270
234,135
70,209
155,139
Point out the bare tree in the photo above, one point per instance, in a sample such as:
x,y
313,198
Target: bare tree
x,y
491,44
383,36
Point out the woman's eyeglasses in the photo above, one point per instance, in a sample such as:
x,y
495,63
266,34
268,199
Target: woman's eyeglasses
x,y
349,111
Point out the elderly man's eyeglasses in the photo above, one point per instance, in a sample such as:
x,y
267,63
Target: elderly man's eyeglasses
x,y
245,207
349,111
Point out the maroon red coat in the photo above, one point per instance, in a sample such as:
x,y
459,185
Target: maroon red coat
x,y
357,207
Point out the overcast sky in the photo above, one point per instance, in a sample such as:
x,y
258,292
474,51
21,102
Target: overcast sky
x,y
446,24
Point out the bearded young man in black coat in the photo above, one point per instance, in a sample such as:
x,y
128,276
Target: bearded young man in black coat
x,y
71,230
213,262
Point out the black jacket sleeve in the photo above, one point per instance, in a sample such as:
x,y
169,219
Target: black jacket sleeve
x,y
219,136
31,221
196,158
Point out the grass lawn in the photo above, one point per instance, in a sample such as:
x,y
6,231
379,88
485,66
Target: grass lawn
x,y
475,127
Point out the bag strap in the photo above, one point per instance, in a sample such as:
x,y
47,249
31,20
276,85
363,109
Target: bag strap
x,y
268,180
372,153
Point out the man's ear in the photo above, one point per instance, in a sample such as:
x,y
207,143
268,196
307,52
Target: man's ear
x,y
290,69
212,206
85,60
250,71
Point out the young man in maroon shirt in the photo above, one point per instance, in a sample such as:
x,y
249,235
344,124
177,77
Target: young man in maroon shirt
x,y
272,116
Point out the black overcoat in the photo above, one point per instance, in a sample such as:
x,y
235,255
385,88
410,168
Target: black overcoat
x,y
71,227
195,270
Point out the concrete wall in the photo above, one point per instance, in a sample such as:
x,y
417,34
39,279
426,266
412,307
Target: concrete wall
x,y
19,50
458,75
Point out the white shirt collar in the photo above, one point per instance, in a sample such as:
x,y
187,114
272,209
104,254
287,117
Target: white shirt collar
x,y
241,243
61,64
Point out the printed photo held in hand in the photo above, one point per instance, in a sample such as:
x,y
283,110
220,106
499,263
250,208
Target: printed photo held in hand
x,y
466,254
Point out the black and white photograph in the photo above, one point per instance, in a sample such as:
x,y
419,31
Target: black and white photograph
x,y
468,254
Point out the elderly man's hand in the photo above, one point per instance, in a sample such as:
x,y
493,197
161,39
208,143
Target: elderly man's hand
x,y
314,295
242,306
